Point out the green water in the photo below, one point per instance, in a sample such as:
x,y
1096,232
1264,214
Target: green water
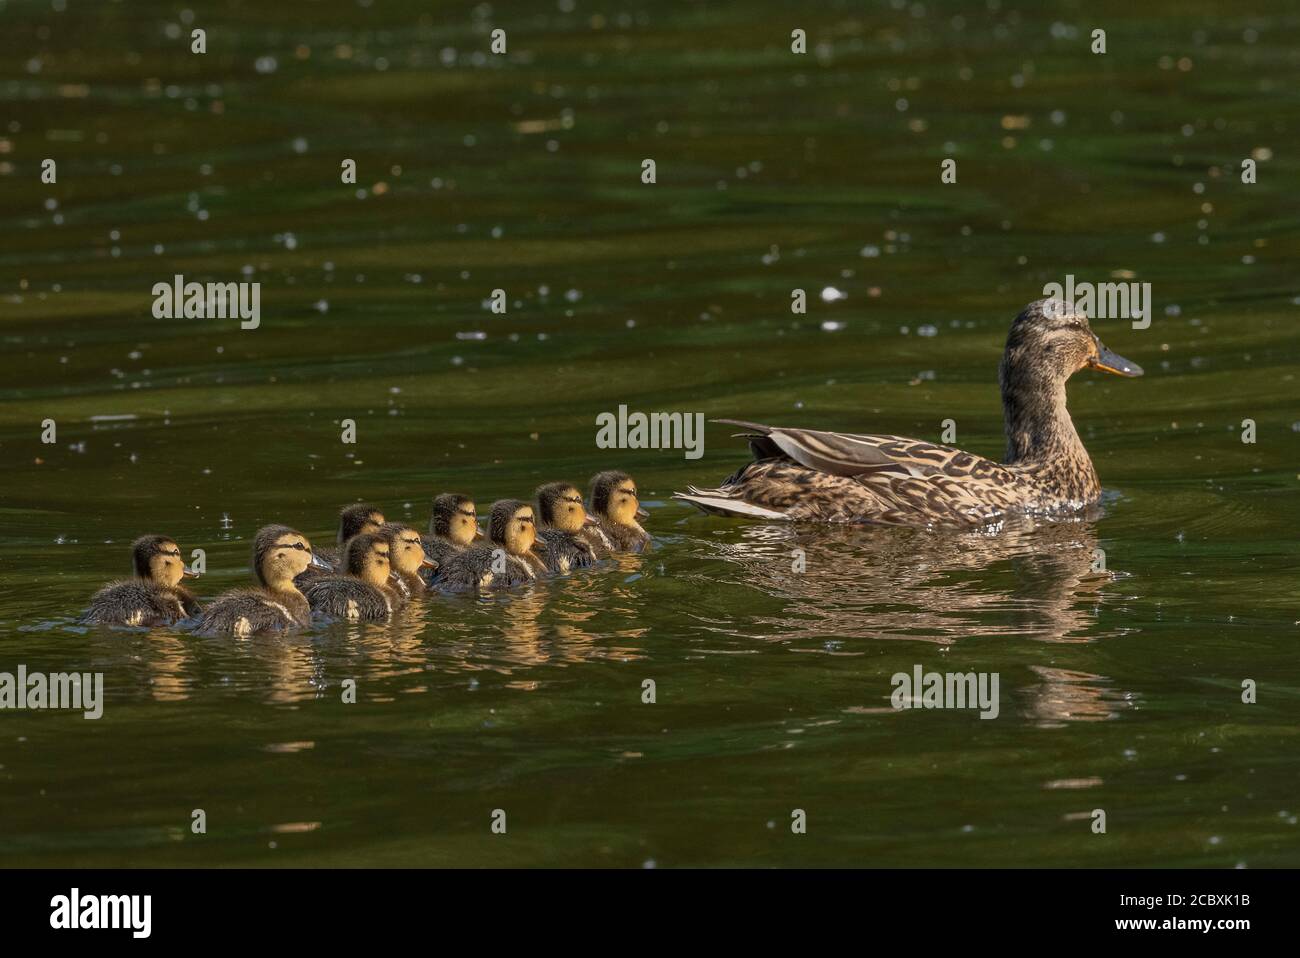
x,y
1120,690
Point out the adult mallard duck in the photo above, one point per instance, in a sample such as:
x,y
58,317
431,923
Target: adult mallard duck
x,y
803,474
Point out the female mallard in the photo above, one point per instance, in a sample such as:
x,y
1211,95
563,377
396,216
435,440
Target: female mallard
x,y
452,527
563,521
803,474
507,560
406,555
279,554
364,594
154,596
617,509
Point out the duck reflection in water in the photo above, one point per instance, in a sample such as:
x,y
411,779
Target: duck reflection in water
x,y
1037,579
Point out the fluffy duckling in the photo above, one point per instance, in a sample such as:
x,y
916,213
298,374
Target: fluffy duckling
x,y
452,527
508,558
406,555
563,520
364,593
617,509
353,520
279,555
154,597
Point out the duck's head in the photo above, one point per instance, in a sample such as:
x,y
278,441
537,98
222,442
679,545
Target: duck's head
x,y
367,557
559,506
613,497
455,518
512,526
358,518
1051,340
158,559
405,550
279,554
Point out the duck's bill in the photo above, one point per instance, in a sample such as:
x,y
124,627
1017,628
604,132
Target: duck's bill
x,y
641,513
427,563
318,563
188,573
1112,362
590,520
478,534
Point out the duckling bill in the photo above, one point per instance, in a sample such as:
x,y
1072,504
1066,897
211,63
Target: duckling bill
x,y
805,474
154,597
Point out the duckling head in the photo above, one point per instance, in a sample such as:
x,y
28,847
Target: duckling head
x,y
158,559
405,550
512,526
1050,341
366,556
559,506
613,496
455,518
279,554
358,518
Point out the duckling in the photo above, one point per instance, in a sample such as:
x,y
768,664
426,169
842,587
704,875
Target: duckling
x,y
279,555
364,593
452,527
563,520
507,560
806,474
353,520
406,555
155,596
617,509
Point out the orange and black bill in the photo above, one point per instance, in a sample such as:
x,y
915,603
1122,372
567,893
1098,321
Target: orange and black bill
x,y
1112,362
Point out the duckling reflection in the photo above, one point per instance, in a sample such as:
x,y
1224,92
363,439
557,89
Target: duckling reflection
x,y
1028,577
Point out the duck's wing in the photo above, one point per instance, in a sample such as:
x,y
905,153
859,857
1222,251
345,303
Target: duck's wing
x,y
844,453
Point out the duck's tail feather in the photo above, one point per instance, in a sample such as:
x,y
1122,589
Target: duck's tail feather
x,y
716,503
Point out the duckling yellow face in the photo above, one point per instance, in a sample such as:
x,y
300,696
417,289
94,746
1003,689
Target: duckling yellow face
x,y
376,564
568,514
624,506
288,556
165,565
464,524
521,531
407,551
